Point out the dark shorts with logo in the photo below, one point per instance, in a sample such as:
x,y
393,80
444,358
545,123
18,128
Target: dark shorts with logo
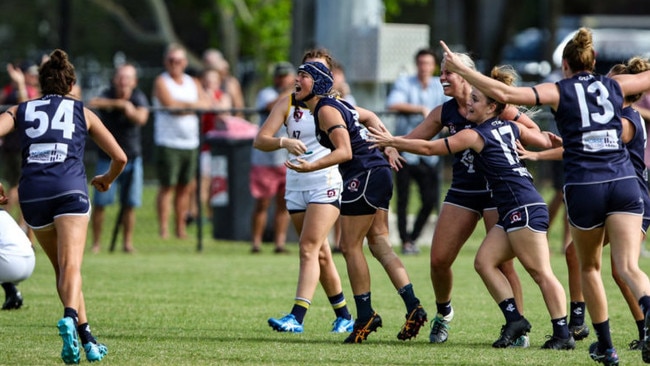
x,y
534,217
367,192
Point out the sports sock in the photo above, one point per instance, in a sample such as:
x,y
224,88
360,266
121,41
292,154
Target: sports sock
x,y
84,334
577,313
604,336
340,306
71,313
408,295
509,310
640,325
10,289
644,303
444,308
560,328
364,306
299,309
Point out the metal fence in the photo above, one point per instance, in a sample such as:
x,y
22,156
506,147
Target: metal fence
x,y
540,170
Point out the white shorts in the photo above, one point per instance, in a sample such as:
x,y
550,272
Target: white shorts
x,y
298,200
14,268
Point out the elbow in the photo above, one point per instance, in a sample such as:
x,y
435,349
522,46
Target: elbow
x,y
120,160
259,145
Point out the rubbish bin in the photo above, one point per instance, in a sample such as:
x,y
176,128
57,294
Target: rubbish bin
x,y
230,198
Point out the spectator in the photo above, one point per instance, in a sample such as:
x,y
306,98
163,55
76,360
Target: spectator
x,y
213,59
124,109
16,257
414,96
211,82
176,136
268,173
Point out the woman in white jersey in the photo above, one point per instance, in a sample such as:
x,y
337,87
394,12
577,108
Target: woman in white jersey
x,y
313,201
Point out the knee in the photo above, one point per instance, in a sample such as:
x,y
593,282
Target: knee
x,y
479,265
382,252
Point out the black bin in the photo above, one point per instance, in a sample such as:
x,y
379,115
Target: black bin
x,y
230,198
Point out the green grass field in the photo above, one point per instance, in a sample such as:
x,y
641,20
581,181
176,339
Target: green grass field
x,y
167,304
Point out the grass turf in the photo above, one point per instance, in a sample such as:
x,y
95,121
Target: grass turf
x,y
169,305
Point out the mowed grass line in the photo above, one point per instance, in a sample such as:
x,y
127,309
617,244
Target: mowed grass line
x,y
180,307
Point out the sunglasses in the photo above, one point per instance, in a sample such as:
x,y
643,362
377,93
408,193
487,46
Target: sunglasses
x,y
175,61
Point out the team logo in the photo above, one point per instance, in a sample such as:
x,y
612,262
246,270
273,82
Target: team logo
x,y
354,184
515,217
297,114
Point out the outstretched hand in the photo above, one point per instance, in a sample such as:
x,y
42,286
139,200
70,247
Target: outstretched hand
x,y
379,137
525,154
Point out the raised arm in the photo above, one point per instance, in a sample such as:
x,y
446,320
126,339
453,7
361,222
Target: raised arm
x,y
633,84
546,93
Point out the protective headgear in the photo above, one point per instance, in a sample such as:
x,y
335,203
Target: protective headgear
x,y
323,79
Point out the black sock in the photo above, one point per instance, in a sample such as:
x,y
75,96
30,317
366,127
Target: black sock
x,y
444,308
509,310
640,325
577,313
10,289
644,303
560,328
71,313
408,295
340,306
364,306
84,334
604,336
299,309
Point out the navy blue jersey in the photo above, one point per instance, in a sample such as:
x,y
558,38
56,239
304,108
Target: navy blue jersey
x,y
511,183
53,134
363,158
636,148
588,119
465,177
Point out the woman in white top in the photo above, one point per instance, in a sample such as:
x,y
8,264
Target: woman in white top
x,y
16,257
313,201
176,136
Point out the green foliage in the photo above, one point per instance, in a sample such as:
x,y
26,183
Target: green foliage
x,y
394,7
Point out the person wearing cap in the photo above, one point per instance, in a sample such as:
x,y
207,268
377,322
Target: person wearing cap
x,y
367,189
268,174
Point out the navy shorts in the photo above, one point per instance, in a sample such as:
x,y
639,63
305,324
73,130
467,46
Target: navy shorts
x,y
39,214
478,201
534,217
589,204
366,192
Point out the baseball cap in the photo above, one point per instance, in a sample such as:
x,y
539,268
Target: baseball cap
x,y
284,68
